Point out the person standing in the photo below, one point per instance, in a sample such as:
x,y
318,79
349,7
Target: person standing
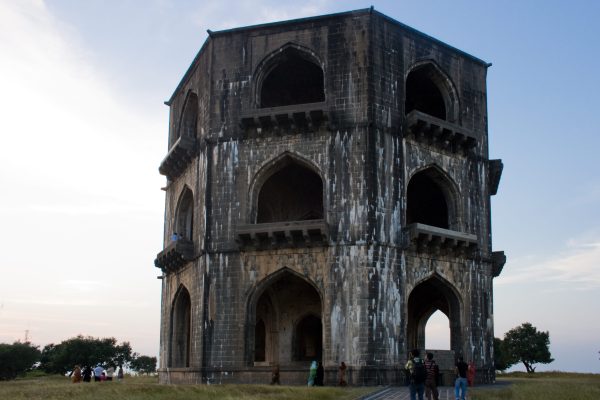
x,y
312,374
320,375
418,374
109,373
471,373
98,371
275,375
460,385
433,371
342,374
76,374
120,373
87,373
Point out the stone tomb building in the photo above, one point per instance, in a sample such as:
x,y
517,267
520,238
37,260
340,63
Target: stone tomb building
x,y
329,182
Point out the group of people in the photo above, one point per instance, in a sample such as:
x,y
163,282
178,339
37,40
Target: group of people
x,y
100,375
316,375
423,376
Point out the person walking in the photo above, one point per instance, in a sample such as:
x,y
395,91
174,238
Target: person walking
x,y
431,390
460,385
417,373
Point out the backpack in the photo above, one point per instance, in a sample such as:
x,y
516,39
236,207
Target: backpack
x,y
419,373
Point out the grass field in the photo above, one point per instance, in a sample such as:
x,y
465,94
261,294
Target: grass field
x,y
138,388
539,386
543,386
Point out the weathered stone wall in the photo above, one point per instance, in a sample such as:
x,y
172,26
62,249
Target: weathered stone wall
x,y
365,273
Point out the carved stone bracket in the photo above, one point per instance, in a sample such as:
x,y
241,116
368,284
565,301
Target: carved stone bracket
x,y
175,255
424,128
431,239
283,234
278,119
179,157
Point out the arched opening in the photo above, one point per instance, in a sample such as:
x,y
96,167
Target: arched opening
x,y
189,120
184,219
260,336
427,298
288,316
426,202
181,330
437,332
429,91
294,78
308,343
293,193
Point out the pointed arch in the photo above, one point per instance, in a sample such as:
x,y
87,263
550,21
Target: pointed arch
x,y
292,74
433,198
428,89
180,329
429,295
184,215
188,122
287,188
280,302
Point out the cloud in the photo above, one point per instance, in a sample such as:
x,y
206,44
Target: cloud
x,y
578,264
63,121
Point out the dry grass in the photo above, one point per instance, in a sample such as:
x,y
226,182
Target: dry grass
x,y
543,386
55,388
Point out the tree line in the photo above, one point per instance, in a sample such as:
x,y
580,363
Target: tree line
x,y
18,358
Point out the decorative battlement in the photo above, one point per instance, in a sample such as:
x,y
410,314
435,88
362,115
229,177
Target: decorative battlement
x,y
283,234
436,240
179,157
175,255
424,128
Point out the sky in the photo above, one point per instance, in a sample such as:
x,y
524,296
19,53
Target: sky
x,y
83,129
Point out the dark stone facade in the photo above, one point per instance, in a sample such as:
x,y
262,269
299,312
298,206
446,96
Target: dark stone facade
x,y
329,183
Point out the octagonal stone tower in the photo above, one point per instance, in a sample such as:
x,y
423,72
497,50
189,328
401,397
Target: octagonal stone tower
x,y
328,190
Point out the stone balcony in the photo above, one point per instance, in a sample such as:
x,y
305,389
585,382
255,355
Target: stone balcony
x,y
433,131
175,255
431,239
179,157
308,116
282,234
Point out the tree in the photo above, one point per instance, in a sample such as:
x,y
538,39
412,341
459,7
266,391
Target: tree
x,y
82,350
16,359
527,345
144,364
501,361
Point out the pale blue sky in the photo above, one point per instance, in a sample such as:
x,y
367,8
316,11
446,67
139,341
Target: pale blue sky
x,y
84,129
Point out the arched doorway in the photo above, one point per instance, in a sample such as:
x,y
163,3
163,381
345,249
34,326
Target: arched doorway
x,y
431,295
180,346
184,216
430,91
285,315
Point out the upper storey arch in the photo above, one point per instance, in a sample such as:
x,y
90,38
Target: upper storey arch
x,y
188,124
288,188
433,199
290,75
429,90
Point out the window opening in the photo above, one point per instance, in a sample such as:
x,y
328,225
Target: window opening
x,y
294,80
426,202
294,193
422,94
